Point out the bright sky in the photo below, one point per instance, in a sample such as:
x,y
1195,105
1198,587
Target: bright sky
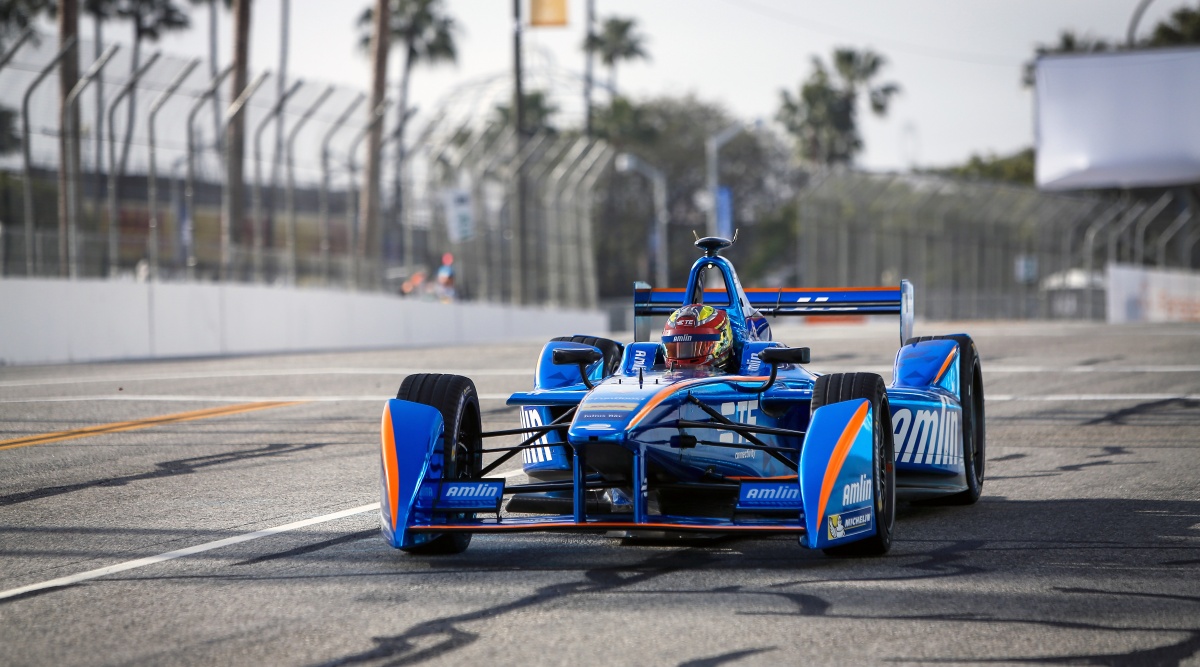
x,y
958,62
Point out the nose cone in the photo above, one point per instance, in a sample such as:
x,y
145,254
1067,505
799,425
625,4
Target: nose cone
x,y
605,413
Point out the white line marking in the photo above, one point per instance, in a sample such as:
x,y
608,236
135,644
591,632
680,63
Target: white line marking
x,y
187,551
504,397
176,398
509,474
1027,370
398,372
1095,397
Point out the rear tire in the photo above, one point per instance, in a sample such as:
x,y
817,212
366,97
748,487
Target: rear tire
x,y
455,397
837,387
974,430
611,349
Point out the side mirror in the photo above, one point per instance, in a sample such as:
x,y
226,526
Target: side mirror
x,y
781,355
571,356
577,356
785,355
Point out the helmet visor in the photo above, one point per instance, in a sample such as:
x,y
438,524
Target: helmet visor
x,y
695,348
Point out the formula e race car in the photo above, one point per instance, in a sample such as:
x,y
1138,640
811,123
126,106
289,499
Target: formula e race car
x,y
618,439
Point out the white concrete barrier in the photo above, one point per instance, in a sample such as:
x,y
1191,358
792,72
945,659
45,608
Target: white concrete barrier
x,y
54,321
1142,294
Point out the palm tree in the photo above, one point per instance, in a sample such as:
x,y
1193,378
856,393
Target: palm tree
x,y
823,117
424,33
617,40
539,113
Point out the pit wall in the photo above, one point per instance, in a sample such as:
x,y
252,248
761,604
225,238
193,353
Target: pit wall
x,y
56,321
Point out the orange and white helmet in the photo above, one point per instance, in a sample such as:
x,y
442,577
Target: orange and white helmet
x,y
698,335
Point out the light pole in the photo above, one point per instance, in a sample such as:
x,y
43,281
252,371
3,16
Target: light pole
x,y
627,162
712,148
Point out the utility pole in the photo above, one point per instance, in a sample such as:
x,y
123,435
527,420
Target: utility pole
x,y
518,222
68,151
281,88
589,60
370,240
235,138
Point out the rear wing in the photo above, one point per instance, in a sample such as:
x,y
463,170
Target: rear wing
x,y
776,301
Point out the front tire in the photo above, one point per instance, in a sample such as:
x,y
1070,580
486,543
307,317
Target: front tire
x,y
837,387
455,397
974,431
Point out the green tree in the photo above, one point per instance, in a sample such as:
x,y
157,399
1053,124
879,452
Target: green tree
x,y
618,40
15,16
823,115
623,122
539,113
1014,168
669,133
1180,29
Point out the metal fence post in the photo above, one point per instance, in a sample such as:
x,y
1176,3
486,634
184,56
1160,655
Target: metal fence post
x,y
1164,238
323,194
1120,228
290,192
1186,250
227,211
256,189
28,159
114,225
155,107
16,46
1089,242
71,134
554,220
1143,223
587,255
479,176
352,189
189,190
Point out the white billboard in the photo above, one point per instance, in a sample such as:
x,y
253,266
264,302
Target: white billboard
x,y
1118,119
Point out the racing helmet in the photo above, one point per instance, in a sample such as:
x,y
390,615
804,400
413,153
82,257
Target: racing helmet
x,y
698,335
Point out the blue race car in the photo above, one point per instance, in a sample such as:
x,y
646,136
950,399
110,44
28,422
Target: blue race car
x,y
714,428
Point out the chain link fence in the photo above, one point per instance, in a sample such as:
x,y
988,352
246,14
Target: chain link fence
x,y
518,214
977,250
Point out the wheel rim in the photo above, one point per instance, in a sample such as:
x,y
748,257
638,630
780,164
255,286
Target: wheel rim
x,y
977,461
882,466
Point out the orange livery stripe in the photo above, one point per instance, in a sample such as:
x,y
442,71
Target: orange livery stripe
x,y
840,452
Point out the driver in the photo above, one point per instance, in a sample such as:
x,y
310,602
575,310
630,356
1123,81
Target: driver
x,y
698,336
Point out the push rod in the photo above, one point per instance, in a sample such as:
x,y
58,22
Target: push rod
x,y
569,414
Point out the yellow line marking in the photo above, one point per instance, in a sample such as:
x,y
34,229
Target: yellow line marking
x,y
117,427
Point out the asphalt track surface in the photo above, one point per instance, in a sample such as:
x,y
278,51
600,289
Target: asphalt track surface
x,y
247,534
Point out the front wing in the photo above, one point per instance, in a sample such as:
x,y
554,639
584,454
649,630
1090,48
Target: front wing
x,y
828,503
